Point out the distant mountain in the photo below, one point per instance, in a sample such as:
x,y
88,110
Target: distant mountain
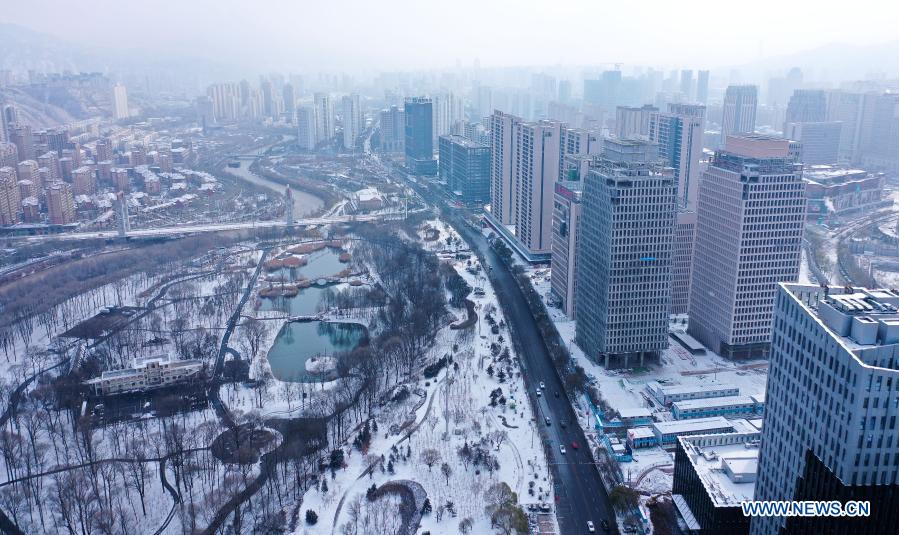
x,y
836,61
23,49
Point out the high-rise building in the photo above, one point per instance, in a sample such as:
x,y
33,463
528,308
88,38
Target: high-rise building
x,y
750,219
50,161
20,136
535,169
740,103
686,84
324,118
807,106
830,408
60,204
392,130
447,109
419,136
120,109
306,129
84,181
820,141
502,192
103,150
682,261
679,135
566,224
9,196
28,170
290,101
625,255
702,87
351,115
225,102
9,155
633,122
267,93
465,166
880,148
856,112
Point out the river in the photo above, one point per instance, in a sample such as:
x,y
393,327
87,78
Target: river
x,y
303,203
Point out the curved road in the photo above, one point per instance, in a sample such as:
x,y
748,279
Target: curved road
x,y
580,494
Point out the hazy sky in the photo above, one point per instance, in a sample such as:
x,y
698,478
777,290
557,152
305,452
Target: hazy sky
x,y
400,34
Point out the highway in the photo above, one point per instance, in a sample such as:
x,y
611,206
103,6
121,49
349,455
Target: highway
x,y
580,494
210,227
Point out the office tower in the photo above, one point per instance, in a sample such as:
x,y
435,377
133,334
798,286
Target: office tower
x,y
682,260
465,166
9,155
268,97
20,136
679,134
502,194
419,140
740,102
750,218
625,253
290,101
83,181
566,224
393,129
225,102
830,411
306,128
351,115
633,122
807,106
9,196
564,91
324,118
686,84
447,109
820,141
702,87
120,108
856,112
880,149
60,204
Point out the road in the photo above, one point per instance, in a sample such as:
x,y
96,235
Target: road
x,y
580,494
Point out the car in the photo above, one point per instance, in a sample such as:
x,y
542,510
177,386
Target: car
x,y
562,424
590,526
562,448
605,524
574,445
546,419
542,384
538,392
557,393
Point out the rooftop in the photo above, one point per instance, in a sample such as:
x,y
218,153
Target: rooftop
x,y
692,426
706,403
726,464
672,390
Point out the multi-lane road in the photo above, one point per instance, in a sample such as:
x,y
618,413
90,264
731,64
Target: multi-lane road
x,y
580,494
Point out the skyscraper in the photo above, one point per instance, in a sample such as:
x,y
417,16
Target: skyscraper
x,y
502,193
625,254
9,155
535,167
324,118
447,109
807,106
679,135
702,87
120,108
351,115
20,136
567,204
686,84
9,196
750,218
830,408
856,112
392,123
290,101
306,129
419,140
633,122
465,166
819,141
268,97
740,103
60,204
225,102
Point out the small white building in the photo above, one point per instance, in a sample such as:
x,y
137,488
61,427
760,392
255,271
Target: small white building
x,y
668,394
148,373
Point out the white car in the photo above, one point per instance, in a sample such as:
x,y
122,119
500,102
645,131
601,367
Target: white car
x,y
562,448
542,386
590,527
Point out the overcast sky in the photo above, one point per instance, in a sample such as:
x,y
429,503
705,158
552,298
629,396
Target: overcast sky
x,y
403,34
